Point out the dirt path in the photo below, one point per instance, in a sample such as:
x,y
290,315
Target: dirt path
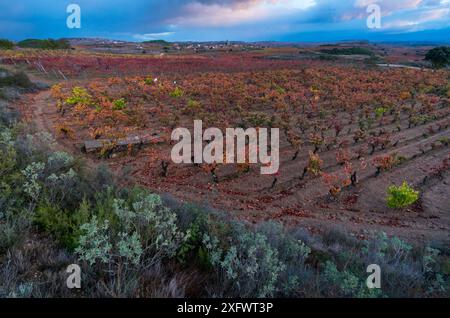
x,y
400,66
39,110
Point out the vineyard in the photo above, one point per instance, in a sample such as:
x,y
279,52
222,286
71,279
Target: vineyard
x,y
86,65
348,132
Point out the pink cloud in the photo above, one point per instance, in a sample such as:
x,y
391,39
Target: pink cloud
x,y
230,13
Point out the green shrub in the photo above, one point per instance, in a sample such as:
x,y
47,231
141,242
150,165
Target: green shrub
x,y
33,173
420,119
251,266
191,244
79,96
380,111
149,80
155,222
262,262
119,104
381,248
347,284
59,160
293,252
94,243
193,104
142,223
258,119
63,225
177,92
192,107
401,196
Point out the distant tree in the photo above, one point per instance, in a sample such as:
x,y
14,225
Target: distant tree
x,y
6,44
439,56
161,42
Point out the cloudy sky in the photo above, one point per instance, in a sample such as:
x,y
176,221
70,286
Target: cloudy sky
x,y
247,20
